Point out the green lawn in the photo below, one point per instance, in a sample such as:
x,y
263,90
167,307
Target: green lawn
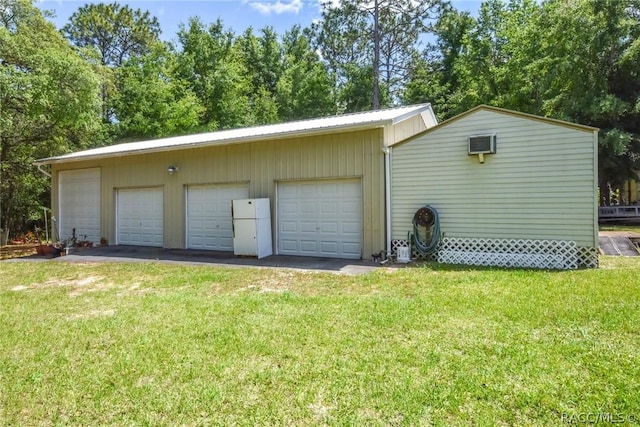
x,y
154,344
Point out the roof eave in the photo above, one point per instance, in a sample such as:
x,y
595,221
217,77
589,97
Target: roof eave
x,y
419,110
230,141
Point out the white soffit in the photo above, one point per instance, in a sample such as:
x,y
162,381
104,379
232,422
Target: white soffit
x,y
304,127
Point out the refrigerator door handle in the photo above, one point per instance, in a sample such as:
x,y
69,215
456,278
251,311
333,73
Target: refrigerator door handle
x,y
233,225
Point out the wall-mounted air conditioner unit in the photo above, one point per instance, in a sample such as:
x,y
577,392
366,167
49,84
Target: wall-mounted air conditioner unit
x,y
481,145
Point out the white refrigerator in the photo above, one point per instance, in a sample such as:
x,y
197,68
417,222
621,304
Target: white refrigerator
x,y
252,227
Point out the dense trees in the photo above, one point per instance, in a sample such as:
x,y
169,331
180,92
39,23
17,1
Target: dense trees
x,y
113,34
305,88
210,61
152,99
49,104
368,45
116,32
107,77
577,61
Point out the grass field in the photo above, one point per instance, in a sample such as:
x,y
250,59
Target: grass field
x,y
154,344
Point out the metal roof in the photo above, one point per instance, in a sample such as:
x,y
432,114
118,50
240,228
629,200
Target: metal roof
x,y
343,122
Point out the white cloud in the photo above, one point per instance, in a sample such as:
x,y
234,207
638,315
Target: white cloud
x,y
278,7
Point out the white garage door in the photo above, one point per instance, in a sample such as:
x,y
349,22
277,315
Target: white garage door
x,y
320,218
79,204
209,222
140,217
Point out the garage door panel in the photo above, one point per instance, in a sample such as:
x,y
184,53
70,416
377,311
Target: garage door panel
x,y
308,207
140,217
309,246
328,188
351,228
351,248
79,204
288,227
329,247
307,188
350,207
289,207
288,191
227,242
308,227
289,245
209,220
227,226
329,228
322,218
329,208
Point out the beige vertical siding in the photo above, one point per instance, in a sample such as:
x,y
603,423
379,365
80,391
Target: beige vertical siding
x,y
261,164
539,185
408,128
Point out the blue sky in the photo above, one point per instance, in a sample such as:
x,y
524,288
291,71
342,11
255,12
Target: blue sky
x,y
235,14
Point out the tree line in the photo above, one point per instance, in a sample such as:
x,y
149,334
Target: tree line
x,y
107,77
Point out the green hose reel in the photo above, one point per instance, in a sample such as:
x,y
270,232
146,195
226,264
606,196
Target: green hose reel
x,y
426,230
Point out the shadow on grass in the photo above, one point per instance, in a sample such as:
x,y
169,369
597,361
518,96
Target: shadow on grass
x,y
436,266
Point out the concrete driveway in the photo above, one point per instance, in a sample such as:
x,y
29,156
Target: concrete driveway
x,y
196,257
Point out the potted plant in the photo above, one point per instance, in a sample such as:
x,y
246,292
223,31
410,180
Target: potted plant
x,y
44,248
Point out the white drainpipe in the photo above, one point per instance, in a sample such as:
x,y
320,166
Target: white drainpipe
x,y
387,195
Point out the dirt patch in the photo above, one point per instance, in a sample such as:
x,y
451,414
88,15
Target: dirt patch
x,y
134,289
73,283
77,286
83,285
278,282
266,289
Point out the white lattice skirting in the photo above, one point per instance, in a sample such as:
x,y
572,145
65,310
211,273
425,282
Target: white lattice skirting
x,y
547,254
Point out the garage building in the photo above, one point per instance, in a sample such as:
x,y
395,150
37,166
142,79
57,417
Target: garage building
x,y
511,189
325,179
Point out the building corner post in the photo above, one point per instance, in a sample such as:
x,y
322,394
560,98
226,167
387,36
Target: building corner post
x,y
387,196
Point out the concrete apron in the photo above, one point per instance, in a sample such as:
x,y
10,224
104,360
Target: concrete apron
x,y
227,259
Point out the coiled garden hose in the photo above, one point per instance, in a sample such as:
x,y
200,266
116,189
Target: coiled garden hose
x,y
426,218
